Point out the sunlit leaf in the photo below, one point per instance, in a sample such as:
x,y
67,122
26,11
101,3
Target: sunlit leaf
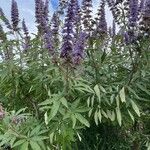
x,y
97,91
96,117
54,109
73,118
122,95
135,108
132,117
34,145
99,116
64,102
19,142
118,113
24,146
82,119
46,118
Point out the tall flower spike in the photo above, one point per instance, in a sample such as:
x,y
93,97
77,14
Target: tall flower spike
x,y
133,15
14,15
5,20
48,41
68,33
146,17
39,7
24,27
86,15
41,15
77,20
46,10
78,51
141,6
55,22
26,45
101,23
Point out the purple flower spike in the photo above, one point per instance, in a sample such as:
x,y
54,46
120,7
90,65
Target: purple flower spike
x,y
26,45
146,18
68,33
78,52
77,20
141,6
48,41
86,15
55,24
24,27
133,16
101,23
46,10
14,15
38,10
146,12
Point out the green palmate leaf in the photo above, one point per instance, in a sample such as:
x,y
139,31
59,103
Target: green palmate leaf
x,y
19,142
97,92
143,88
51,136
12,141
135,108
39,138
24,146
88,101
117,101
104,114
111,115
73,118
42,145
122,95
118,113
100,116
112,98
96,117
82,119
79,136
132,117
46,102
54,109
132,91
35,145
20,111
36,130
64,102
46,118
92,100
90,112
102,89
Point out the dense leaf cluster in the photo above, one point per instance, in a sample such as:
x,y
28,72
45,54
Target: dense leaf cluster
x,y
75,84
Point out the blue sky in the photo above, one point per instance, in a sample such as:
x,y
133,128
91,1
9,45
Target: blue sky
x,y
26,10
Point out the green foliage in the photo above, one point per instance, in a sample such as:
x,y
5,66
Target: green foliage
x,y
103,104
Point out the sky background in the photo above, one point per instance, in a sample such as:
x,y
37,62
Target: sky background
x,y
26,11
